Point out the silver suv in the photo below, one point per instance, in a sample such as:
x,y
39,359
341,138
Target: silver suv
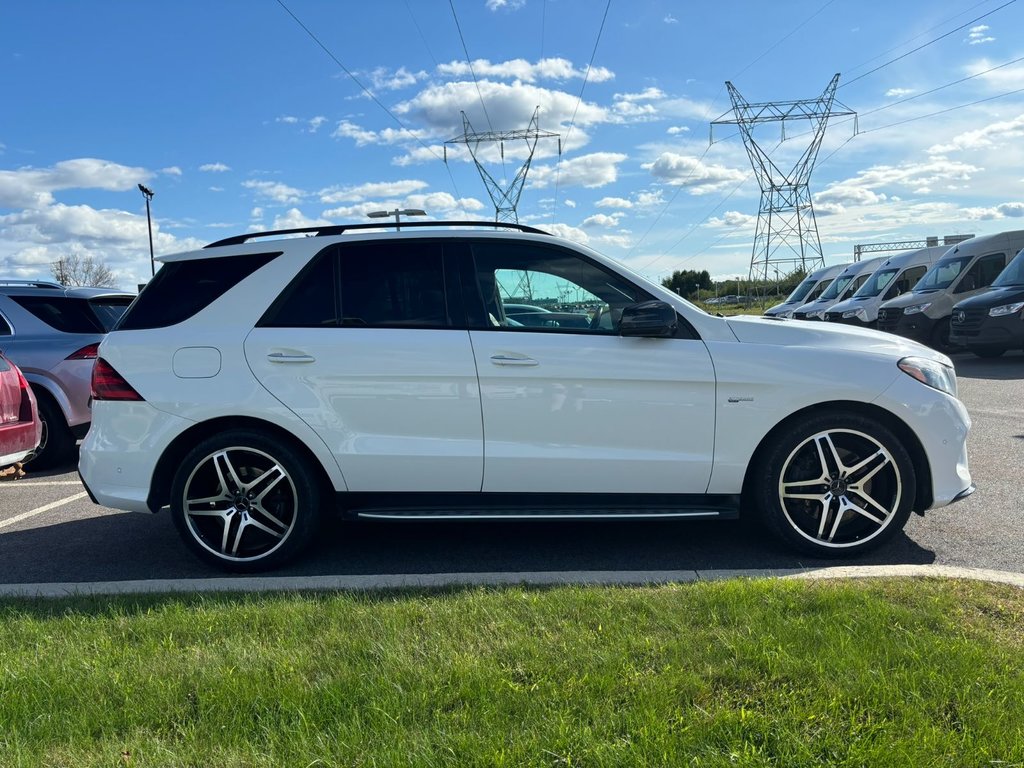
x,y
52,333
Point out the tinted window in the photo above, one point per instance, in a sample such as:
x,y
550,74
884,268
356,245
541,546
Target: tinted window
x,y
311,300
1014,272
62,313
5,327
108,309
393,284
182,288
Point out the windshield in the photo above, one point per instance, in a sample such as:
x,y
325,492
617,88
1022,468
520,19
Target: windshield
x,y
801,291
837,286
877,283
942,274
1013,274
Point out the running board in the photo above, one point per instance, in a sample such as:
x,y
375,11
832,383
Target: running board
x,y
541,514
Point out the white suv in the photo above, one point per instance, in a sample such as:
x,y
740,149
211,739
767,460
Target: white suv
x,y
258,383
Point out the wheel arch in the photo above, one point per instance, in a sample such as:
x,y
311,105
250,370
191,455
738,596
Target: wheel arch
x,y
923,497
174,454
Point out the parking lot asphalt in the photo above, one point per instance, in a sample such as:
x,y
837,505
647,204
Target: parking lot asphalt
x,y
51,533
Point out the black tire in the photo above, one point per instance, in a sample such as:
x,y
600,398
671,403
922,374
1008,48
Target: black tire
x,y
989,353
260,502
940,336
835,484
57,446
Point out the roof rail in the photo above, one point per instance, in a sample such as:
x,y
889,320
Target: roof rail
x,y
337,229
32,283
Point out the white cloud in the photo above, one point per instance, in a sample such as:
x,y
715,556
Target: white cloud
x,y
349,130
992,135
214,167
734,220
1001,79
288,119
316,122
895,93
670,19
978,35
568,232
32,187
293,218
675,130
171,171
920,178
614,202
594,170
525,71
505,5
216,189
275,191
691,172
380,189
384,79
256,213
1003,211
602,220
438,205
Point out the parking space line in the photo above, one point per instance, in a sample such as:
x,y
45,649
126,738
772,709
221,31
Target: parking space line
x,y
37,483
40,510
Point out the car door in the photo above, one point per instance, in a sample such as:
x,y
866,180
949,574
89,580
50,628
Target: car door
x,y
361,347
582,410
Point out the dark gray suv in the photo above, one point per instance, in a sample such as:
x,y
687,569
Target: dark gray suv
x,y
51,333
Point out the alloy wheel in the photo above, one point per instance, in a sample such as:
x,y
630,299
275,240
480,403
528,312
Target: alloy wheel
x,y
240,504
840,488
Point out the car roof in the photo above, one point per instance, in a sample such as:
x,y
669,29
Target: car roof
x,y
44,288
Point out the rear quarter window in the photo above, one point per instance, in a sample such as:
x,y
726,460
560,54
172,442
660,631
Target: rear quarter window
x,y
182,288
63,313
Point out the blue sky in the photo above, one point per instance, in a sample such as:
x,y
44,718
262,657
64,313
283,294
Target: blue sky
x,y
238,120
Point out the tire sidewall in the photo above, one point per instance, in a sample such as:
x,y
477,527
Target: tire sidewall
x,y
307,494
771,466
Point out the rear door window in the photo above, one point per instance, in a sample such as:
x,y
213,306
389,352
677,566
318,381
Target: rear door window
x,y
393,285
63,313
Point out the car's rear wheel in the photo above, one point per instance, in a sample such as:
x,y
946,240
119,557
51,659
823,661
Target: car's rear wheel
x,y
835,484
245,501
56,443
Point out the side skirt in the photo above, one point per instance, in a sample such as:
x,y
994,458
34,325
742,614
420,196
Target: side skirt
x,y
536,506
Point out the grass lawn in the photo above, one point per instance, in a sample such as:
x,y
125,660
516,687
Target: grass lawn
x,y
740,673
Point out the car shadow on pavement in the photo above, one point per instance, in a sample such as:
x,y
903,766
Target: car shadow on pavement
x,y
1006,368
127,546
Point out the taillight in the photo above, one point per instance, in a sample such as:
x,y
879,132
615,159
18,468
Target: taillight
x,y
85,353
25,410
108,384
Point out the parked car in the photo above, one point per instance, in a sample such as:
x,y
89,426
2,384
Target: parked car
x,y
539,317
894,277
965,270
257,383
809,289
20,428
843,286
992,322
52,333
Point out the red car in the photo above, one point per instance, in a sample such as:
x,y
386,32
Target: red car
x,y
20,428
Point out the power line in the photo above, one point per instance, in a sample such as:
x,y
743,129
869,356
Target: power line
x,y
925,45
469,61
422,36
368,92
579,100
944,111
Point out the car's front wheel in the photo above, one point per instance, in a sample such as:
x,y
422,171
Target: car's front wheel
x,y
835,484
245,501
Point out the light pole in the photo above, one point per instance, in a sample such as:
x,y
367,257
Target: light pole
x,y
397,213
148,194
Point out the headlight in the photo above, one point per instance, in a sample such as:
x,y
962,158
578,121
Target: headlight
x,y
859,312
815,313
784,313
1006,309
930,372
913,310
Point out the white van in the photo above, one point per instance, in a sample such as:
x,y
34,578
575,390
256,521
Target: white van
x,y
845,285
893,277
809,289
965,270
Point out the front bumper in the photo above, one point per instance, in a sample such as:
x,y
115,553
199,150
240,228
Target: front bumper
x,y
984,332
837,317
918,326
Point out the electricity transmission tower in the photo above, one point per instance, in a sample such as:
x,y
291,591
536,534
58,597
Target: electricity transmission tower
x,y
505,197
786,237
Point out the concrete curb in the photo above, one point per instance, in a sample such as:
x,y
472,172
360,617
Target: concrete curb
x,y
549,578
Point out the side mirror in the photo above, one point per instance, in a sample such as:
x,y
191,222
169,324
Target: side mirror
x,y
649,318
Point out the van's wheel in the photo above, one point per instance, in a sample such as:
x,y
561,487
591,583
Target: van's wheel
x,y
990,352
245,501
940,336
56,443
835,484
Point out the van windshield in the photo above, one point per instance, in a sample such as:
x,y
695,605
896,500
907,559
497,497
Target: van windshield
x,y
877,283
801,290
942,274
1013,274
837,287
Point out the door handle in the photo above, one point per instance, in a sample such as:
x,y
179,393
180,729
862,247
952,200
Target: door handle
x,y
512,360
281,357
